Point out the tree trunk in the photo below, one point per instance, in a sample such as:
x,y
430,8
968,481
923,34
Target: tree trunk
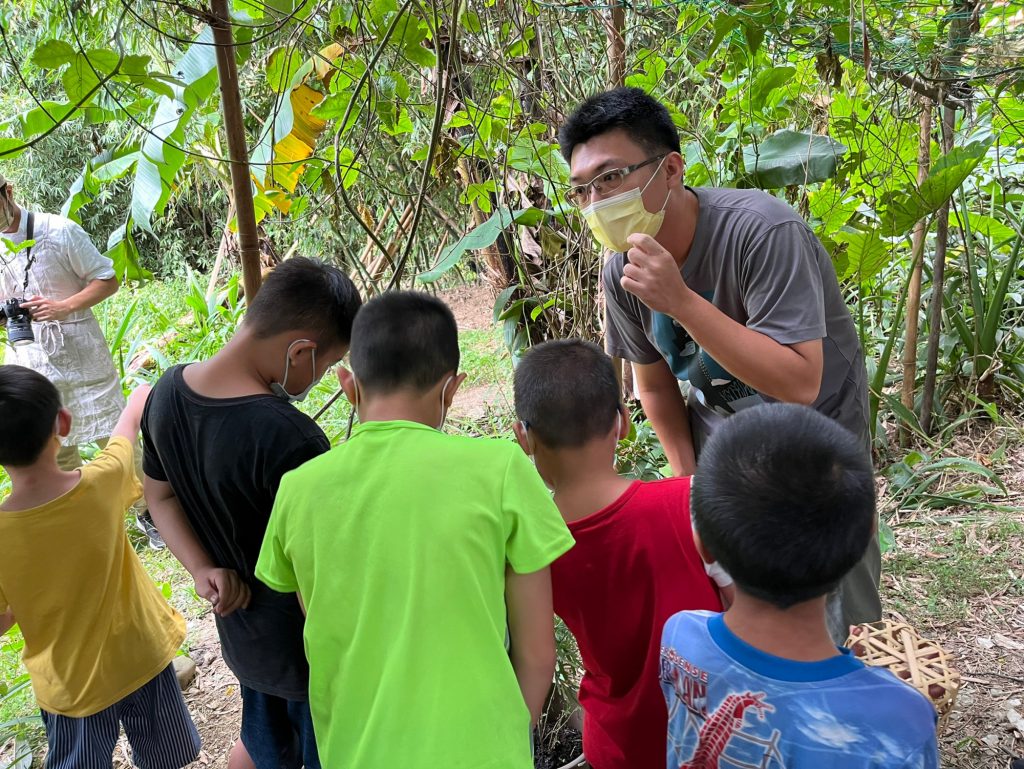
x,y
615,24
938,284
917,260
238,152
616,44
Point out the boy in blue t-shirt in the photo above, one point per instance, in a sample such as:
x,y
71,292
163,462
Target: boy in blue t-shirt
x,y
784,498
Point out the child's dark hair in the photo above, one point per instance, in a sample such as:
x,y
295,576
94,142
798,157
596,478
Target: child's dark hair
x,y
302,293
29,404
784,499
566,392
403,340
644,119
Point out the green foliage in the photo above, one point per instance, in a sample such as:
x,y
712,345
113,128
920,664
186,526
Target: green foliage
x,y
792,157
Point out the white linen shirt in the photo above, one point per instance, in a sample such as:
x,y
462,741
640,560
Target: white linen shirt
x,y
71,353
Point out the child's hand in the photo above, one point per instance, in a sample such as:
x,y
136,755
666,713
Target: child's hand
x,y
224,589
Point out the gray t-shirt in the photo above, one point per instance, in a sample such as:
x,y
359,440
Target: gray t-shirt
x,y
760,264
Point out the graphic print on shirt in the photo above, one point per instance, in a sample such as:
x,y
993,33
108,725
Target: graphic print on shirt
x,y
715,387
736,733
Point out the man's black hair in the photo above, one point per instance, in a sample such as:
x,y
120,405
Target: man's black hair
x,y
302,293
403,340
29,404
784,499
567,393
644,119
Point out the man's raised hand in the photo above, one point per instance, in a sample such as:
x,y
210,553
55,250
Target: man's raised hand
x,y
652,275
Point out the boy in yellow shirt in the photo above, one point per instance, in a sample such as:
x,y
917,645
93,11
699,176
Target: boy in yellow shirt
x,y
99,637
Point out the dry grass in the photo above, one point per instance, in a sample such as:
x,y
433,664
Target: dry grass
x,y
957,575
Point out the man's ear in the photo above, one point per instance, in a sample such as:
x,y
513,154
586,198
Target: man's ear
x,y
451,389
522,438
64,420
675,168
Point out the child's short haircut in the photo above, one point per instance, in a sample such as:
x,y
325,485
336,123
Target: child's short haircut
x,y
29,404
784,499
302,293
403,340
566,392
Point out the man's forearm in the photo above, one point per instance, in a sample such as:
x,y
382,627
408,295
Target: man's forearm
x,y
94,293
669,417
774,369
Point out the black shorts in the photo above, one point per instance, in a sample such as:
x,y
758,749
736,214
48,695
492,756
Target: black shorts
x,y
278,733
156,721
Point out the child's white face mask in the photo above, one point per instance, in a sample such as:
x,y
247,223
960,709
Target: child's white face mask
x,y
614,219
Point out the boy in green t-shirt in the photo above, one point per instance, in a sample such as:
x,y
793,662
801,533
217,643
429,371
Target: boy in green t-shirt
x,y
412,552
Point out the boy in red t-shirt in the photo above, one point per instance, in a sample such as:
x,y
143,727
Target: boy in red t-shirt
x,y
634,564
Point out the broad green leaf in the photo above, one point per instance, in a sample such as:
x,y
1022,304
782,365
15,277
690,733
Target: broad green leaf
x,y
724,24
832,206
866,254
282,65
766,82
122,250
479,237
792,157
754,35
471,21
902,209
51,54
10,148
135,65
161,155
987,226
44,117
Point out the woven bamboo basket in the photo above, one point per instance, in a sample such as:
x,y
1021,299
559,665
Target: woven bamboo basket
x,y
921,663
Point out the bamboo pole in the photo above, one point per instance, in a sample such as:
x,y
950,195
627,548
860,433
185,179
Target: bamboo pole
x,y
918,239
238,152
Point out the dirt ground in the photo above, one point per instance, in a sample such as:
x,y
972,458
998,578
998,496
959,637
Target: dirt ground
x,y
983,628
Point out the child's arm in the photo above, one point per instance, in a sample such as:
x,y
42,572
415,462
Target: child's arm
x,y
6,620
531,628
131,418
223,588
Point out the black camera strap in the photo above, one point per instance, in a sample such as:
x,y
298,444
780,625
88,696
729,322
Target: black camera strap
x,y
30,228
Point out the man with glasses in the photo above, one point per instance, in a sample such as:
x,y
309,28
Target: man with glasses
x,y
59,279
727,290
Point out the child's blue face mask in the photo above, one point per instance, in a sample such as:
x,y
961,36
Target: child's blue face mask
x,y
279,388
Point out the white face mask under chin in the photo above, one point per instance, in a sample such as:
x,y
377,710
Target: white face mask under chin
x,y
280,388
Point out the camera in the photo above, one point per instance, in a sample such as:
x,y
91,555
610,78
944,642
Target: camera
x,y
19,322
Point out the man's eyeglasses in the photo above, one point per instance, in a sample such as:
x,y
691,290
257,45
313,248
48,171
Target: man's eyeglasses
x,y
605,182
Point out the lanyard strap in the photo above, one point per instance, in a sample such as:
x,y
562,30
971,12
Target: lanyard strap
x,y
30,228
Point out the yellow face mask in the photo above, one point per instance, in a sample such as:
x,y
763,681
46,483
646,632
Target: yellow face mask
x,y
616,218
